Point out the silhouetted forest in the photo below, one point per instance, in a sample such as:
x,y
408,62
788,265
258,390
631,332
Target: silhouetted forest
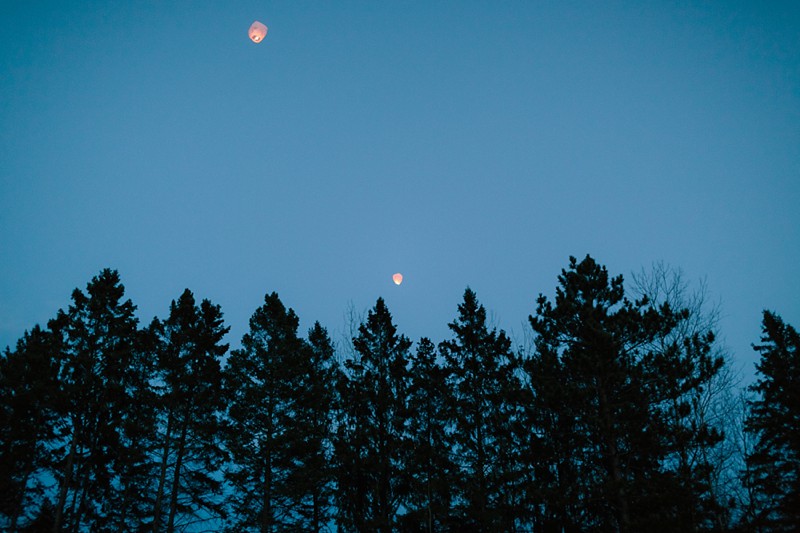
x,y
620,412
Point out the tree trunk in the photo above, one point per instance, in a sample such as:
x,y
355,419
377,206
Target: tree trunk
x,y
79,504
618,480
266,516
64,488
176,478
481,467
162,478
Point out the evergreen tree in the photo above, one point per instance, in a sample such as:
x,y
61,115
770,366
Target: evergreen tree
x,y
278,419
370,443
483,406
189,455
130,504
316,406
99,351
29,413
351,447
430,469
608,410
773,467
555,446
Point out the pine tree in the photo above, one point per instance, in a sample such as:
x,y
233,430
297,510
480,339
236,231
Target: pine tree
x,y
371,436
483,385
29,413
316,405
99,349
609,440
188,482
555,447
429,467
130,503
773,467
351,447
278,421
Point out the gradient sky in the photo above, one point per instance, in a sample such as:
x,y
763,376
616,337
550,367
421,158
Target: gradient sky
x,y
460,143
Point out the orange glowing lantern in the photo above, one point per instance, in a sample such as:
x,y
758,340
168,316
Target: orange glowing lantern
x,y
257,32
397,278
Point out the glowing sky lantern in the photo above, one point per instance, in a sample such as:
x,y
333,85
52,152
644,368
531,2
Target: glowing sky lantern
x,y
257,32
397,278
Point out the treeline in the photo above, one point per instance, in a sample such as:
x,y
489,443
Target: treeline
x,y
618,416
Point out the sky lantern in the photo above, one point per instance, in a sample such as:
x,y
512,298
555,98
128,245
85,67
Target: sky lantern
x,y
257,32
397,278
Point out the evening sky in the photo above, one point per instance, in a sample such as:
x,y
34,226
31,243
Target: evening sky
x,y
461,143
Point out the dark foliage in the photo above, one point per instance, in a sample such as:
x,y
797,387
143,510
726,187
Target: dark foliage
x,y
370,444
430,469
609,409
187,448
773,467
482,391
29,416
281,399
98,363
599,427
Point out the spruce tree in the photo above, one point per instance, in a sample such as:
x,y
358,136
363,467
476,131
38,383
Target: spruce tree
x,y
99,350
773,467
603,398
430,469
29,415
316,405
351,447
188,451
370,443
131,503
279,395
483,390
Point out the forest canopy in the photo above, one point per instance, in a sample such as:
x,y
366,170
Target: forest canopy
x,y
621,414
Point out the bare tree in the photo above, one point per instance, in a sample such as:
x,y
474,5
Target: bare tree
x,y
719,404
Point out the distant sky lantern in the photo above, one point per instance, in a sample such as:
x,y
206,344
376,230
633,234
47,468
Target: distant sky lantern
x,y
257,32
397,278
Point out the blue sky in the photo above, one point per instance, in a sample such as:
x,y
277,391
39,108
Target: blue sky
x,y
460,143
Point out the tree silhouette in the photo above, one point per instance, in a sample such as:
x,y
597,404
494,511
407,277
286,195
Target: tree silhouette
x,y
773,471
370,442
278,423
430,470
317,403
30,400
188,449
602,401
99,355
612,422
482,388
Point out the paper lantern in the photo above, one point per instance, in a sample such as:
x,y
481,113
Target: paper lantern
x,y
397,278
257,32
